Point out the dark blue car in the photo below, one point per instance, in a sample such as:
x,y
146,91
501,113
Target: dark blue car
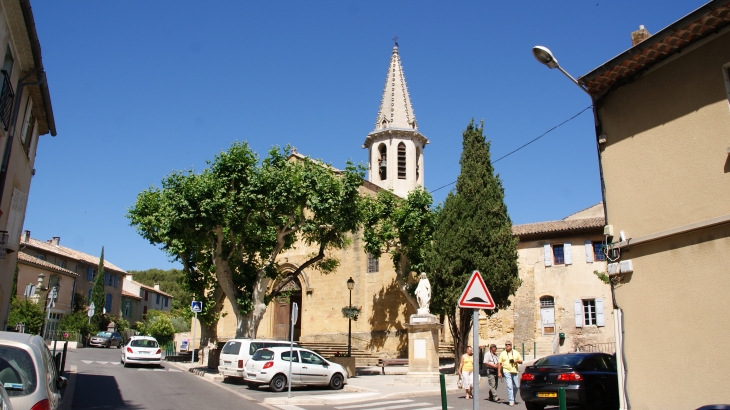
x,y
590,380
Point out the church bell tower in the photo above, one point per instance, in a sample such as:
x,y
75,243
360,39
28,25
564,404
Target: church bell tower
x,y
395,146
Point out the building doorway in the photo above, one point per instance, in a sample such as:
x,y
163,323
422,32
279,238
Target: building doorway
x,y
289,293
547,315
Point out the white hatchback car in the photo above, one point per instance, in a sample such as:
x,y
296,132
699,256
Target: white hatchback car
x,y
141,350
271,366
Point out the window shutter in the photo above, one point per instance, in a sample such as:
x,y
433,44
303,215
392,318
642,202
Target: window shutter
x,y
567,253
548,255
599,313
578,313
589,251
89,274
15,219
106,278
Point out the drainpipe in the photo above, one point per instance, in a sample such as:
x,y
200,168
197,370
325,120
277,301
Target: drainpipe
x,y
11,134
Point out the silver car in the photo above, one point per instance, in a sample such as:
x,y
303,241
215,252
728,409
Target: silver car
x,y
28,372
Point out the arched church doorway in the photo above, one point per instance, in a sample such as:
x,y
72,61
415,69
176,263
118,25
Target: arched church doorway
x,y
287,292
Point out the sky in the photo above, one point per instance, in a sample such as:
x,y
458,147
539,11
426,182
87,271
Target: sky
x,y
142,88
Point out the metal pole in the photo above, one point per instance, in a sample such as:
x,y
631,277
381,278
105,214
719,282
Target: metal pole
x,y
534,350
291,354
192,342
442,381
475,348
561,398
349,330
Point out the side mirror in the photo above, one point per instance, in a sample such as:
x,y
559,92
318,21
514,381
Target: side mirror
x,y
61,382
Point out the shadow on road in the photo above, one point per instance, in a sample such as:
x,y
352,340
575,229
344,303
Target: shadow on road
x,y
100,392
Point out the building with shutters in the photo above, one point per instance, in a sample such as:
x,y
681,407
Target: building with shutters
x,y
138,298
72,270
25,115
663,137
560,292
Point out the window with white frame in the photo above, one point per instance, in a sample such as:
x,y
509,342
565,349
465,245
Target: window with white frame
x,y
589,312
558,254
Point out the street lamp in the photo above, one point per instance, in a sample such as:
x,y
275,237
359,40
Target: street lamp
x,y
350,286
545,56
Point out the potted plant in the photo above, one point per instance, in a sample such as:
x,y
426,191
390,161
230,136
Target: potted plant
x,y
351,312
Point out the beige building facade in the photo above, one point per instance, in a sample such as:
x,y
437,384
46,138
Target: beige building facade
x,y
25,114
664,149
560,294
138,298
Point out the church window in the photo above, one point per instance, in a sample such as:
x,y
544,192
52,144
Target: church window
x,y
372,264
401,161
418,160
383,162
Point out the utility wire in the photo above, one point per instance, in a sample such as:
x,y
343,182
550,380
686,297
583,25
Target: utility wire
x,y
528,143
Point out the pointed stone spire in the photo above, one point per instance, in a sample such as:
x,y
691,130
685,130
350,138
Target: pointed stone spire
x,y
396,110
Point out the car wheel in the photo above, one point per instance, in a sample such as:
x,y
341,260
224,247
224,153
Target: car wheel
x,y
278,383
337,381
534,406
596,399
109,345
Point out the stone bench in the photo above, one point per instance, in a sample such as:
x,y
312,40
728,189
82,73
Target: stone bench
x,y
391,362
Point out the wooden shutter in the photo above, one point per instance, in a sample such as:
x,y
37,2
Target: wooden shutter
x,y
578,304
567,253
589,251
600,321
548,255
15,218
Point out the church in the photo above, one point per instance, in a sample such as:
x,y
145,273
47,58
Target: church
x,y
395,156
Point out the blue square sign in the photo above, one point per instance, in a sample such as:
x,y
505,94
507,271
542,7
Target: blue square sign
x,y
196,306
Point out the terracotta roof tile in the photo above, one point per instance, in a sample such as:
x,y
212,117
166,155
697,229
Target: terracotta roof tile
x,y
71,254
564,226
40,262
150,288
126,294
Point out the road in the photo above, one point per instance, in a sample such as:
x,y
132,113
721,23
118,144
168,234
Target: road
x,y
101,382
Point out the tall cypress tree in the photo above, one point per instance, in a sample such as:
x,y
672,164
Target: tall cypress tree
x,y
97,293
473,232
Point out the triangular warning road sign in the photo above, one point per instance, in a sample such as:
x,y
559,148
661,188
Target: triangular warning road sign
x,y
476,295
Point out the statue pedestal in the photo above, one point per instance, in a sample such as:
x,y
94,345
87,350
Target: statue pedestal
x,y
423,348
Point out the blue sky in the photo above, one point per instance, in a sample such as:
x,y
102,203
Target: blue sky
x,y
140,89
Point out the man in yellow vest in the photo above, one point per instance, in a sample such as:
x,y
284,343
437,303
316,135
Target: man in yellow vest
x,y
509,361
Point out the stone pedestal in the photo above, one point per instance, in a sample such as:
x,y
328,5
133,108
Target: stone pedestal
x,y
423,349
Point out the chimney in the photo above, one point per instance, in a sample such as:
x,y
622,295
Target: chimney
x,y
157,286
639,35
128,277
56,240
26,236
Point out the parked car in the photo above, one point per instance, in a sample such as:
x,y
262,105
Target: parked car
x,y
271,366
106,339
4,399
589,379
236,352
141,350
28,372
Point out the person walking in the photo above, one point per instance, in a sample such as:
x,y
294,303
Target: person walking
x,y
466,371
509,361
491,364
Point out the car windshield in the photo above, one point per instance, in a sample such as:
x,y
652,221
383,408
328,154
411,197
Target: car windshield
x,y
17,372
143,343
262,355
104,334
231,347
560,360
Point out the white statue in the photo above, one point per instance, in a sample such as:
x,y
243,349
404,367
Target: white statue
x,y
423,294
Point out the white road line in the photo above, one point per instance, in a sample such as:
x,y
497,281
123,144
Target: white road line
x,y
380,403
115,364
159,370
101,362
176,371
288,407
88,361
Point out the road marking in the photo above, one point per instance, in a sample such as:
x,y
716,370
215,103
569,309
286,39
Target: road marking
x,y
115,364
101,362
176,371
288,407
88,361
380,403
144,370
159,370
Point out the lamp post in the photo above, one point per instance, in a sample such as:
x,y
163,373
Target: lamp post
x,y
350,286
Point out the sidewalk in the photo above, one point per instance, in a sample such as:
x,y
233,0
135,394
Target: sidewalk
x,y
367,385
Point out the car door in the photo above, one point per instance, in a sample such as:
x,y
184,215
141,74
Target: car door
x,y
296,367
314,369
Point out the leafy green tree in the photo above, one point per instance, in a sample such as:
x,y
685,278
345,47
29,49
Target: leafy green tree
x,y
14,291
472,232
171,281
401,227
28,312
76,322
228,224
158,325
97,294
81,304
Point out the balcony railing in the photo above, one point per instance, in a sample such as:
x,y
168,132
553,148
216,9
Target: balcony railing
x,y
6,100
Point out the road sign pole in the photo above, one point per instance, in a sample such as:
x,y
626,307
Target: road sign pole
x,y
294,315
475,347
193,341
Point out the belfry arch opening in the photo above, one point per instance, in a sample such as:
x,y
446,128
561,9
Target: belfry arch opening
x,y
382,162
401,161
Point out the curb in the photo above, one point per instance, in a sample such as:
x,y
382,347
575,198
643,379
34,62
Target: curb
x,y
68,393
325,399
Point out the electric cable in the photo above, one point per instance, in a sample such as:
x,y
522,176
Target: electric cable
x,y
526,144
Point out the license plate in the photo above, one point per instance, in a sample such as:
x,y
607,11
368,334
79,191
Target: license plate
x,y
226,363
547,394
144,352
253,375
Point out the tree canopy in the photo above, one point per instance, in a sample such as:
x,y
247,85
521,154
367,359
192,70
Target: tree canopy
x,y
98,294
228,224
473,231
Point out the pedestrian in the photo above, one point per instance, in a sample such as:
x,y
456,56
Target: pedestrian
x,y
466,371
509,361
491,364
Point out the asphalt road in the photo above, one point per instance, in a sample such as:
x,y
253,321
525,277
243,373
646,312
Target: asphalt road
x,y
101,383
